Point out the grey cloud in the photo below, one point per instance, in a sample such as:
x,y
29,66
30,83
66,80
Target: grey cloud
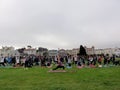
x,y
68,22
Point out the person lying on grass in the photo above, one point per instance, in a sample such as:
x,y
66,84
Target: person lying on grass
x,y
60,64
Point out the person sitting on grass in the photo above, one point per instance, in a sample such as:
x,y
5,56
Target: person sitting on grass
x,y
48,64
60,64
80,64
69,62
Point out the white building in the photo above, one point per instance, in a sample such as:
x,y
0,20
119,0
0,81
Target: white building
x,y
75,51
42,51
53,53
8,51
109,51
90,51
62,52
16,53
117,51
30,51
69,52
99,51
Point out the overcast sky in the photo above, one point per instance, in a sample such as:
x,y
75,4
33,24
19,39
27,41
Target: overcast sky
x,y
60,23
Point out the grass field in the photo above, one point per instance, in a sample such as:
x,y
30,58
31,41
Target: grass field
x,y
118,59
74,79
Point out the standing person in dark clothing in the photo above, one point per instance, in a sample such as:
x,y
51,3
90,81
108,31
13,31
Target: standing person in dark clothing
x,y
66,59
62,59
94,59
36,61
43,61
113,59
83,60
13,61
105,60
5,60
28,62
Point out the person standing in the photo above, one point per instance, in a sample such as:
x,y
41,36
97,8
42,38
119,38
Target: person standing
x,y
113,59
13,61
2,61
56,60
17,60
100,61
69,61
75,60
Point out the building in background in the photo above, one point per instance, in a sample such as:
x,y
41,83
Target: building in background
x,y
68,52
42,51
30,51
53,53
75,51
105,51
62,52
90,51
99,51
117,52
8,51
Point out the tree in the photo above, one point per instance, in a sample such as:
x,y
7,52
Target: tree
x,y
40,49
21,50
29,46
82,51
45,54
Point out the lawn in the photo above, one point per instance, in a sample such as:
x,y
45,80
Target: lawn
x,y
74,79
118,59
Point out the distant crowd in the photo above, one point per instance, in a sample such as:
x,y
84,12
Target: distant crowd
x,y
59,61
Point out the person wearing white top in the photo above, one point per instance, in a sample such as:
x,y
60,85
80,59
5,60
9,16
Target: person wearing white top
x,y
17,60
75,60
2,61
56,60
91,59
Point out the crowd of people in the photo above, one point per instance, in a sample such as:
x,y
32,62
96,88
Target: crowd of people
x,y
60,61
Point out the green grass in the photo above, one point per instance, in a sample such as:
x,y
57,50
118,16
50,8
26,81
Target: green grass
x,y
74,79
118,59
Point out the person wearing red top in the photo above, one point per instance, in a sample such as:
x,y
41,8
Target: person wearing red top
x,y
100,61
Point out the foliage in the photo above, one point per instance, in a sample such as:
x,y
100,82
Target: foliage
x,y
21,50
82,51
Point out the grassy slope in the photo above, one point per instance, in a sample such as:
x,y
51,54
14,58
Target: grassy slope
x,y
40,79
